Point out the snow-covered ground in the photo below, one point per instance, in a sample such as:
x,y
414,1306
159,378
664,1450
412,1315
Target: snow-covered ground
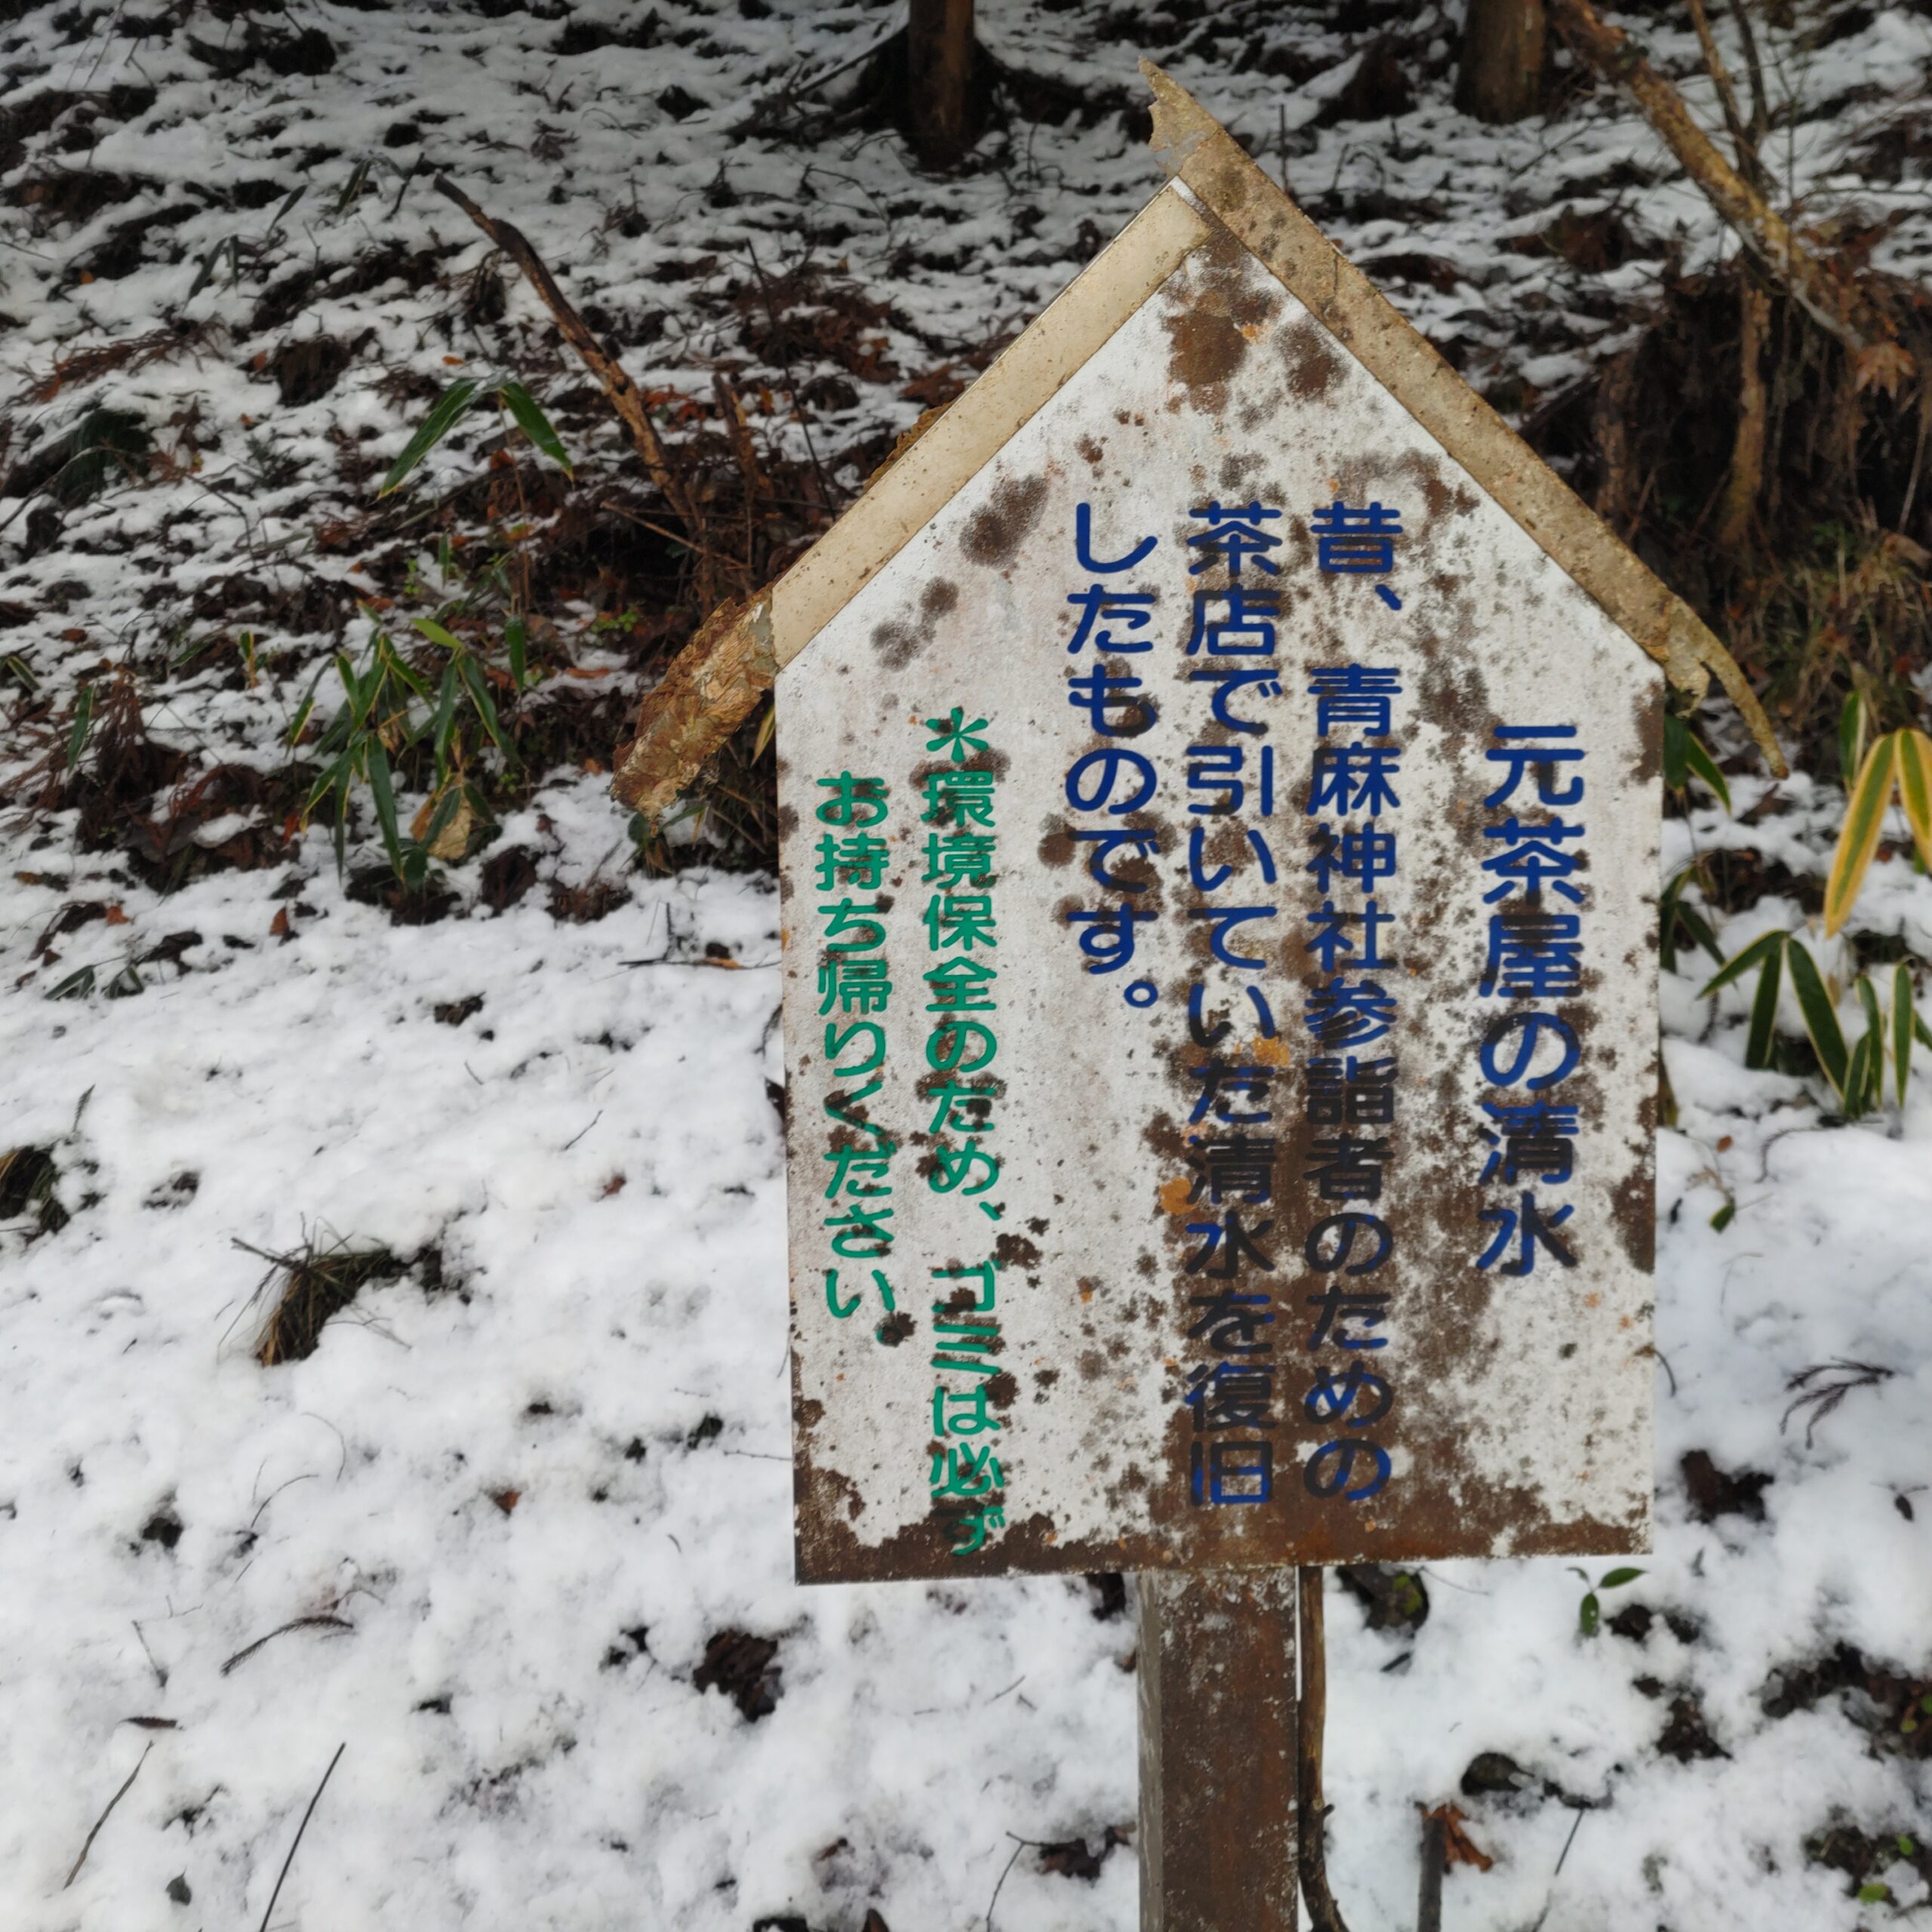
x,y
491,1536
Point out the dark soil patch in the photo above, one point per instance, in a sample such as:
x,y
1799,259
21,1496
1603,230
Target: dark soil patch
x,y
741,1666
1395,1599
1713,1493
306,369
27,1178
309,1287
508,875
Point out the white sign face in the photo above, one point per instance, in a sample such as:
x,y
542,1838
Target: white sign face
x,y
1219,856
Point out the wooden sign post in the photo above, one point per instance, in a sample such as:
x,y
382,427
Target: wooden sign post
x,y
1219,770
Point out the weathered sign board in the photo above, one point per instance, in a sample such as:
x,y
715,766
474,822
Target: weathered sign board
x,y
1219,870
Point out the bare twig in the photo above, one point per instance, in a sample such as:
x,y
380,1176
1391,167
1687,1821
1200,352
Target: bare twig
x,y
300,1829
609,371
300,1623
1761,112
75,1872
1741,144
1310,1719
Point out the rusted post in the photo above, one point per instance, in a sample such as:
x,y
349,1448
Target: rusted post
x,y
1218,1823
938,79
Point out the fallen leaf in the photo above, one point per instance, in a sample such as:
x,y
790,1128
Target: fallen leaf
x,y
614,1186
1458,1847
581,671
278,927
115,916
506,1500
75,636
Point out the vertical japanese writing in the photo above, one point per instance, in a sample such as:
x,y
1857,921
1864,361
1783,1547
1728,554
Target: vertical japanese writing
x,y
1112,780
854,987
1349,1090
1234,885
1534,955
962,1042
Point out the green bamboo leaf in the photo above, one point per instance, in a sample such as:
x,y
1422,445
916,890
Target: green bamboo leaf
x,y
1694,923
1820,1021
435,633
514,641
1676,746
1762,1035
1589,1613
1858,1079
1851,738
1617,1578
1703,766
445,720
1753,954
1723,1218
1902,1018
451,407
1667,921
439,820
75,985
486,709
1921,1032
1865,815
379,785
77,738
402,670
535,424
1916,789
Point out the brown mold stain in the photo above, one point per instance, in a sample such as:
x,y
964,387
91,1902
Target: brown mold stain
x,y
993,534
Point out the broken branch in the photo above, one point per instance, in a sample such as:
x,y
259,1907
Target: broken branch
x,y
713,685
75,1872
625,398
1835,305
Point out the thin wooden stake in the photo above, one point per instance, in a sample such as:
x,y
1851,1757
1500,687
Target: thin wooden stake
x,y
1312,1720
1435,1856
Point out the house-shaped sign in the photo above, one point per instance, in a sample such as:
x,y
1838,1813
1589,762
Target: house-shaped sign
x,y
1219,774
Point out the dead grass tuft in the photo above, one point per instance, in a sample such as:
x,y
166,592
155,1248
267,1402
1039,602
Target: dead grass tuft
x,y
309,1288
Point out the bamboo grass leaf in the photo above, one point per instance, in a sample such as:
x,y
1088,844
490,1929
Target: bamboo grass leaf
x,y
1753,954
436,634
1902,1028
1703,766
486,709
1857,1079
77,738
1851,738
451,407
384,797
1765,1013
1874,1092
1821,1021
1865,815
516,638
1916,789
535,424
1676,746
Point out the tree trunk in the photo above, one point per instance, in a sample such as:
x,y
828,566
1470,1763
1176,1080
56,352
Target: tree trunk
x,y
1501,76
939,75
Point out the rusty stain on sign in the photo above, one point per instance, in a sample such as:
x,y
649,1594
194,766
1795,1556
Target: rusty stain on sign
x,y
1219,816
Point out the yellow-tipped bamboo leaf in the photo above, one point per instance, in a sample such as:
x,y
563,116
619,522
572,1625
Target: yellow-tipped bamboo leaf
x,y
1753,954
1865,815
1915,757
1851,738
1764,1011
1821,1021
1902,1018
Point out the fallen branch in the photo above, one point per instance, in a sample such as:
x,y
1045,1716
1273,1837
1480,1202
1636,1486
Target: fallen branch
x,y
75,1872
625,398
1836,304
299,1830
